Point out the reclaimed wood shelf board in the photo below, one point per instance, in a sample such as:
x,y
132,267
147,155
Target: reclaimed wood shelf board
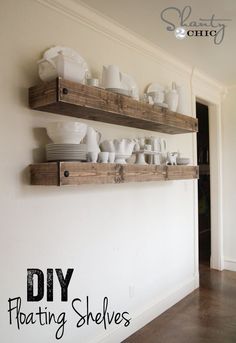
x,y
78,173
81,101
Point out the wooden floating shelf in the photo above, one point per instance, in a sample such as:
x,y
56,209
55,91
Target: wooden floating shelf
x,y
81,101
78,173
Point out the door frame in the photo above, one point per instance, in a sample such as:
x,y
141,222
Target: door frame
x,y
215,143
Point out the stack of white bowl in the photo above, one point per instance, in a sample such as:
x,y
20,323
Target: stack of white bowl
x,y
66,137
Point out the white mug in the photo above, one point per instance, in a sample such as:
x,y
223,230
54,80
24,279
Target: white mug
x,y
92,156
103,157
111,157
93,82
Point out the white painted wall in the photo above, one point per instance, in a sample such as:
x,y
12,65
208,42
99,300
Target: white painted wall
x,y
229,182
139,235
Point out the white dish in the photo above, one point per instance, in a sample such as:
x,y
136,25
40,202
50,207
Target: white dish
x,y
77,156
66,147
71,53
183,160
64,62
155,87
58,152
66,132
61,158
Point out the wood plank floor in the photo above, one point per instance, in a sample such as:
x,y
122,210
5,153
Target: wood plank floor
x,y
208,315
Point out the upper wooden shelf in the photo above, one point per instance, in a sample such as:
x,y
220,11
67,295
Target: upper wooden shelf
x,y
87,102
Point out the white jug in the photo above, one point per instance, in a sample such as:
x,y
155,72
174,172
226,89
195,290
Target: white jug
x,y
111,77
92,140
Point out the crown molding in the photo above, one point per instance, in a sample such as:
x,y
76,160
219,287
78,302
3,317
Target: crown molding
x,y
208,86
104,25
98,22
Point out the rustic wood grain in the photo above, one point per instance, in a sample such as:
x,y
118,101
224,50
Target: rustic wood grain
x,y
45,174
78,173
73,99
43,94
182,172
94,173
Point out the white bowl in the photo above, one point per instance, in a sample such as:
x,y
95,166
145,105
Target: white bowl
x,y
157,96
66,132
183,160
123,148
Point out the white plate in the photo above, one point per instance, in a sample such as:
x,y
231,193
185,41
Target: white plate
x,y
56,147
66,153
154,87
128,83
58,157
71,53
65,159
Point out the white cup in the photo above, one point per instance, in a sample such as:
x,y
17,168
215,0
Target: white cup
x,y
111,158
92,156
93,82
103,157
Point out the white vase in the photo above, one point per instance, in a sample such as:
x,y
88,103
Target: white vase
x,y
182,104
172,98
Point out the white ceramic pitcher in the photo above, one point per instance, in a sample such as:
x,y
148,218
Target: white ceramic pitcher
x,y
111,77
92,140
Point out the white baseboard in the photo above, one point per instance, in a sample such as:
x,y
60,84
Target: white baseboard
x,y
230,265
144,317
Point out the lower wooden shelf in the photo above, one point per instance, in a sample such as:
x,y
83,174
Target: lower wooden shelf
x,y
78,173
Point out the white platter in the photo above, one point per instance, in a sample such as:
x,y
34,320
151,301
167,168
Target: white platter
x,y
71,53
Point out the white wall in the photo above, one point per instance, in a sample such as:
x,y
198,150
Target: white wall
x,y
137,236
229,181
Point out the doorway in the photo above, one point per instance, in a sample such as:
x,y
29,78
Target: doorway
x,y
204,190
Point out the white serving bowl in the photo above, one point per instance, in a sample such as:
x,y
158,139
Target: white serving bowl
x,y
66,132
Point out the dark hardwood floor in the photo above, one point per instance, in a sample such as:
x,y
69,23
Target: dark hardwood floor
x,y
208,315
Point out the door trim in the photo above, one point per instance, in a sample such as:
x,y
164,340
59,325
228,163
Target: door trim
x,y
214,110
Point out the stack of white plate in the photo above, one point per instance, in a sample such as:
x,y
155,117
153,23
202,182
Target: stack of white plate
x,y
66,152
